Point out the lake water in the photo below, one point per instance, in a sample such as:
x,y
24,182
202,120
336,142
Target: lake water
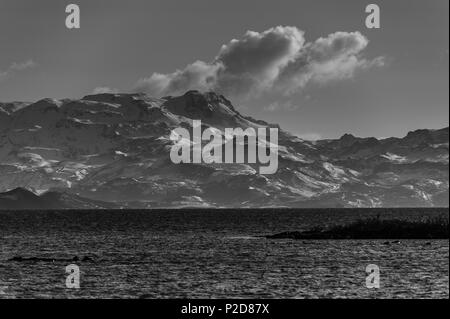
x,y
212,254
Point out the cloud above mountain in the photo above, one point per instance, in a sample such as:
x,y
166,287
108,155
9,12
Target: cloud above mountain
x,y
103,90
277,60
17,67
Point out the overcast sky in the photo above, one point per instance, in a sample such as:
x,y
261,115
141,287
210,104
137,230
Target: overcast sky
x,y
311,66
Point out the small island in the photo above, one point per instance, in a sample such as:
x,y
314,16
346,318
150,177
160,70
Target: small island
x,y
376,228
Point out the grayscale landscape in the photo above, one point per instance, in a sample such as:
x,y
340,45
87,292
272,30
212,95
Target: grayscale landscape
x,y
333,183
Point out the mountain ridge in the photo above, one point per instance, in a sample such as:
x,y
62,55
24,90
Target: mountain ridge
x,y
114,148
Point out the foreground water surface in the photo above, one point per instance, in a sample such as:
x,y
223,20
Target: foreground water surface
x,y
212,254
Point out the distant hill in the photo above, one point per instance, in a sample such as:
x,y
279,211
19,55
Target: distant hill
x,y
20,198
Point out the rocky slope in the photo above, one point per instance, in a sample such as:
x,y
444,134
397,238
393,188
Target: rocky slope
x,y
115,148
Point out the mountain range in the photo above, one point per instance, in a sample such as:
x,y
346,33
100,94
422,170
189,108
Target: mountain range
x,y
112,150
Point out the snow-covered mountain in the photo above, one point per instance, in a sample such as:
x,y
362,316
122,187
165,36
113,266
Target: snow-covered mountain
x,y
115,148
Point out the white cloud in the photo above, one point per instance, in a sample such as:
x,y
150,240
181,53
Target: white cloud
x,y
23,65
17,67
103,90
198,75
281,106
276,60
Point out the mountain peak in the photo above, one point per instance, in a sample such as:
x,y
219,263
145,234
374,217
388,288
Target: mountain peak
x,y
348,137
19,191
209,96
347,140
210,107
12,107
431,136
19,194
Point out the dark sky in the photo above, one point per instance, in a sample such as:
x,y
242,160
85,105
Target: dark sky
x,y
396,82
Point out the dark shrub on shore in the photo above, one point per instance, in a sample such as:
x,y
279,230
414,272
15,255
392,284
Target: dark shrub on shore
x,y
377,228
